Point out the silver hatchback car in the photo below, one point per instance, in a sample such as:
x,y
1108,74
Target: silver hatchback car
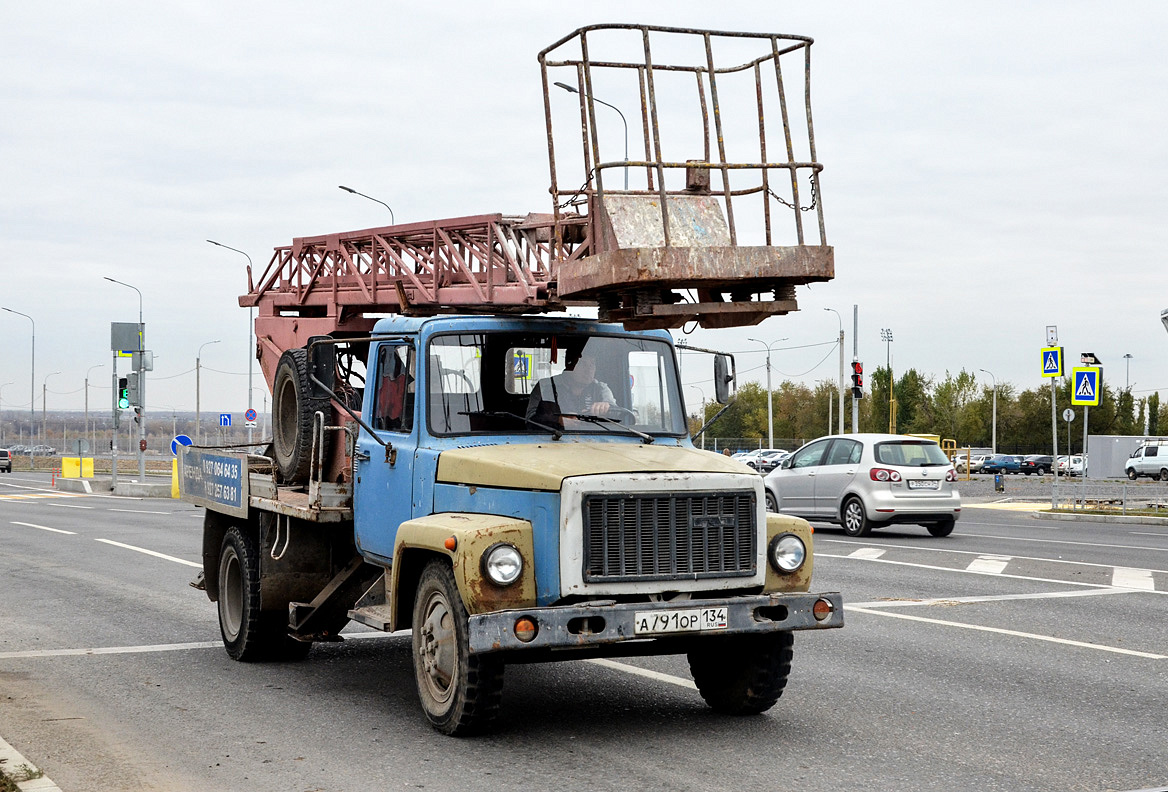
x,y
864,481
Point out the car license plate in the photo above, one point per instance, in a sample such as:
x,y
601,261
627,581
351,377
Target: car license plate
x,y
923,484
671,621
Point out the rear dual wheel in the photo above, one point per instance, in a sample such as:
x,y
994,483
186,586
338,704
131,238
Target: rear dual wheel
x,y
249,634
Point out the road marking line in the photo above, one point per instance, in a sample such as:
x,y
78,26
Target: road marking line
x,y
975,572
137,511
1013,633
151,552
994,565
1016,558
903,603
1067,542
46,528
870,553
107,650
1125,577
14,762
68,506
643,672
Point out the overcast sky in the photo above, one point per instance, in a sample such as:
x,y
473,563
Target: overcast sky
x,y
990,169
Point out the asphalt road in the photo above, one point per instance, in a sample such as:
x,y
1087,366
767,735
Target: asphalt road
x,y
1016,654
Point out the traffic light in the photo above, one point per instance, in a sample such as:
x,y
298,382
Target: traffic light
x,y
123,393
857,379
138,416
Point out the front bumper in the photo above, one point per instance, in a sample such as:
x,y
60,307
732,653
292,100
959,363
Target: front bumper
x,y
605,623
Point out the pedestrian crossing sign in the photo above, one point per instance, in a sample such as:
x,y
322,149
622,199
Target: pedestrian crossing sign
x,y
1088,382
1052,361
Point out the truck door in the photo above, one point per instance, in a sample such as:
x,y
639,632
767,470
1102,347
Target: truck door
x,y
382,493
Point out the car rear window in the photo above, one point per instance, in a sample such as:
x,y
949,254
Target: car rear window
x,y
910,453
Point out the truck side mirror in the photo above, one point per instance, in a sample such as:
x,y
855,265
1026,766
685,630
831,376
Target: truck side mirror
x,y
322,366
723,379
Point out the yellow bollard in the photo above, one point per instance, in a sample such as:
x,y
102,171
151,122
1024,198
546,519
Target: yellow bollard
x,y
174,478
87,467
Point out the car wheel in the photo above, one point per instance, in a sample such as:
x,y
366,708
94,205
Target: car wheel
x,y
942,528
771,504
855,520
1131,474
1164,474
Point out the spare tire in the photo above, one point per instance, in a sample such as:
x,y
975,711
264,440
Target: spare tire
x,y
292,410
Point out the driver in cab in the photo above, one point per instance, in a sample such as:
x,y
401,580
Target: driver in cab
x,y
575,391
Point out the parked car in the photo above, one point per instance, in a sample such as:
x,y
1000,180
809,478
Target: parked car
x,y
1001,463
5,460
1076,466
767,459
975,462
1150,459
864,481
1037,463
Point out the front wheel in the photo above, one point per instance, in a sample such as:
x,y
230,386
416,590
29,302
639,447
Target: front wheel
x,y
460,692
771,504
942,527
855,520
742,675
1131,474
250,635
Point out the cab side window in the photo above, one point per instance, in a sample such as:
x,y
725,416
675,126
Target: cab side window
x,y
394,408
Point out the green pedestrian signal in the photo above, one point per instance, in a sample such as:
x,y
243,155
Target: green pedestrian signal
x,y
123,393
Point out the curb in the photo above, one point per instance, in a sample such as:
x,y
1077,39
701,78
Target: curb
x,y
10,759
1106,518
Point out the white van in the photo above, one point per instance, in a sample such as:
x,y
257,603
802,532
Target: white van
x,y
1150,459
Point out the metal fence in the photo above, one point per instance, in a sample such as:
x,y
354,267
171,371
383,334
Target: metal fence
x,y
1119,496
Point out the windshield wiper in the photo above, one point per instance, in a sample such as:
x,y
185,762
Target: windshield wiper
x,y
603,421
556,433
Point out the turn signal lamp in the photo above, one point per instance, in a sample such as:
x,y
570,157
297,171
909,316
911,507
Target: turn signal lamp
x,y
526,629
821,609
883,474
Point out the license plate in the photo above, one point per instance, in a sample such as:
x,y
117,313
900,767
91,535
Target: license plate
x,y
917,484
671,621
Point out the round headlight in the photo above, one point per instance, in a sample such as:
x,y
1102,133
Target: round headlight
x,y
502,564
787,553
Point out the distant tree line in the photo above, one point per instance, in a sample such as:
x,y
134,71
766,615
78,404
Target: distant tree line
x,y
956,406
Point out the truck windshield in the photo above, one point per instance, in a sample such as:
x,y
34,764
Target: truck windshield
x,y
525,383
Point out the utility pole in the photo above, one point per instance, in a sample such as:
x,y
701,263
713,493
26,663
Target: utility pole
x,y
886,337
855,359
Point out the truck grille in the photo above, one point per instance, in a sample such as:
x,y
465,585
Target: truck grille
x,y
663,537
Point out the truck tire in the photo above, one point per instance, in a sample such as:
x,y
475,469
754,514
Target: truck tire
x,y
292,412
1131,474
459,692
742,675
250,635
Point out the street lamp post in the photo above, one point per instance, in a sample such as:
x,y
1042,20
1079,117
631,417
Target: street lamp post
x,y
44,412
770,413
842,372
570,89
31,375
91,368
141,382
363,195
994,436
250,326
1127,359
199,391
886,336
